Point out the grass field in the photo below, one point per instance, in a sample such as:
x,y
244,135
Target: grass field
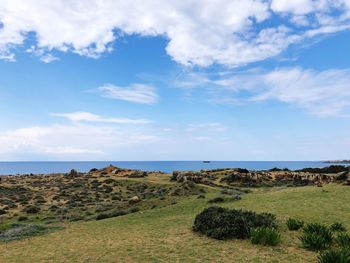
x,y
164,234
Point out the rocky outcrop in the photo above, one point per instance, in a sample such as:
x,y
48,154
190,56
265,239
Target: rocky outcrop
x,y
137,174
185,176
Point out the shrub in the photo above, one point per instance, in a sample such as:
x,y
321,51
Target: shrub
x,y
32,209
343,240
110,214
314,241
342,177
75,217
335,256
265,236
242,170
276,169
294,224
22,218
223,223
18,231
216,200
102,216
327,170
316,237
337,227
134,210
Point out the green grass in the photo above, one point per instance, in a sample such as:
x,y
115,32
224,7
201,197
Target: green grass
x,y
165,235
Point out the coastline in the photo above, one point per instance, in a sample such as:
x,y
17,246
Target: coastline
x,y
13,168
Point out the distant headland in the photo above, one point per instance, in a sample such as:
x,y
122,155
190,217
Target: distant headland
x,y
337,161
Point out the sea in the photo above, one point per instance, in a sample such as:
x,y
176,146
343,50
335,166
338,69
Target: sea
x,y
14,168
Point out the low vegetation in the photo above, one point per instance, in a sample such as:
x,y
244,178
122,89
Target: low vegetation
x,y
265,236
294,224
337,227
335,256
147,217
343,241
15,231
316,236
223,223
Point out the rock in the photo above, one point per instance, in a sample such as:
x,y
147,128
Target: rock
x,y
137,174
342,176
110,169
135,199
347,182
73,172
174,176
185,176
236,197
93,170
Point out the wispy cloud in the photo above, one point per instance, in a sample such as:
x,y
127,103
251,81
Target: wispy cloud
x,y
137,93
321,93
90,117
44,56
211,126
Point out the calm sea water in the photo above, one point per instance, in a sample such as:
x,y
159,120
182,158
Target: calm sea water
x,y
10,168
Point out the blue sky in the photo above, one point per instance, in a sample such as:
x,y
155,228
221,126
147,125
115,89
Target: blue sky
x,y
162,80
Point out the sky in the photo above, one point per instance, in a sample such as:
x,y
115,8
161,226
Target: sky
x,y
174,80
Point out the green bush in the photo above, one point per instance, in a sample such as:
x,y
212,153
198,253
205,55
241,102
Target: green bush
x,y
343,240
223,223
18,231
110,214
134,210
337,227
316,237
332,169
22,218
294,224
102,216
335,256
216,200
265,236
32,209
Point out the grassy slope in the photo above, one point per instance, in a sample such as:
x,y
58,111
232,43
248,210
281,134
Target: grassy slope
x,y
164,234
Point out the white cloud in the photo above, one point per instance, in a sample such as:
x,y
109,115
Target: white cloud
x,y
295,6
324,93
48,58
86,142
42,54
90,117
211,126
138,93
321,93
70,150
76,141
201,33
